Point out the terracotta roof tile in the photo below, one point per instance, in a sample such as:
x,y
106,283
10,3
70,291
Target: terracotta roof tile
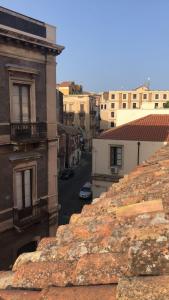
x,y
150,128
125,233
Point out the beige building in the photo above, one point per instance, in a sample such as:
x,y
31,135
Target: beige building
x,y
82,111
125,147
69,88
125,116
111,101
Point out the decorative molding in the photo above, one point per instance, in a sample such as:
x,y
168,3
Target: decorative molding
x,y
17,68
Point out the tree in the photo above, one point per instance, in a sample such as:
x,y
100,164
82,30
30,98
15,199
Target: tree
x,y
166,105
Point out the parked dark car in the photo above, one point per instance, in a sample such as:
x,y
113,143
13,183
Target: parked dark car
x,y
67,173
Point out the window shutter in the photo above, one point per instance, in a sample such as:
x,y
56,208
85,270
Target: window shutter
x,y
18,179
25,103
27,184
15,104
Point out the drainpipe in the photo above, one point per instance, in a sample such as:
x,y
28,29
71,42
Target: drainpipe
x,y
138,153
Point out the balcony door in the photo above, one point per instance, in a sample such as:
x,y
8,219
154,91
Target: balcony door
x,y
23,187
21,103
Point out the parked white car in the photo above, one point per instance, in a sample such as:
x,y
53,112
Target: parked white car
x,y
86,191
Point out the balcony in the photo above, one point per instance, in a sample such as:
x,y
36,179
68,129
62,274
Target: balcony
x,y
68,115
23,218
93,113
81,114
21,132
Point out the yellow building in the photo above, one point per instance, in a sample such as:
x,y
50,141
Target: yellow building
x,y
69,88
111,101
82,111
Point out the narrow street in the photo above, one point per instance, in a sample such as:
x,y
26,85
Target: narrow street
x,y
68,190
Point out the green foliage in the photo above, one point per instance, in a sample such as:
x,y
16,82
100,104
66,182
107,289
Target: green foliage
x,y
166,105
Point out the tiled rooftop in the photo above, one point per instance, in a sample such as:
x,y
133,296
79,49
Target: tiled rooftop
x,y
116,249
150,128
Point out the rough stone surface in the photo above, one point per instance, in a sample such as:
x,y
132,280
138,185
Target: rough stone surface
x,y
81,293
6,279
144,288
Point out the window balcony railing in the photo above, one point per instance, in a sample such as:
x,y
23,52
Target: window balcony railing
x,y
25,217
81,114
28,131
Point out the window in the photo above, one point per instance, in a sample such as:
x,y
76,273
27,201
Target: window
x,y
134,96
21,103
101,106
112,114
105,106
81,107
144,96
134,105
113,96
23,187
164,96
116,156
156,105
112,124
64,107
156,96
71,107
124,96
124,105
112,105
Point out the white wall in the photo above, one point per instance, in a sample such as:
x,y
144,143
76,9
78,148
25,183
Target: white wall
x,y
127,115
101,154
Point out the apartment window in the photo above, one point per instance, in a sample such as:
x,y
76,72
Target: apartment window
x,y
156,96
105,106
112,124
124,105
101,106
71,107
144,96
134,105
21,103
112,114
23,187
113,96
116,156
124,96
81,107
164,96
134,96
156,105
112,105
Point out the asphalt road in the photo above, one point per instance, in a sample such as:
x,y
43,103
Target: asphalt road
x,y
68,190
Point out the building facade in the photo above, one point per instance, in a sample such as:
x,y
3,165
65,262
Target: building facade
x,y
69,88
112,101
59,106
69,149
124,148
28,144
82,111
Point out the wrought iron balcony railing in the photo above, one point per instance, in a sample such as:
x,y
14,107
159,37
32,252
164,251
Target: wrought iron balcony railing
x,y
81,114
25,217
28,131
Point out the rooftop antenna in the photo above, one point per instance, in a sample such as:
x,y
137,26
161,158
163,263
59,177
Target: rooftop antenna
x,y
148,83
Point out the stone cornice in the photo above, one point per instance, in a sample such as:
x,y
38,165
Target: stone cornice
x,y
30,42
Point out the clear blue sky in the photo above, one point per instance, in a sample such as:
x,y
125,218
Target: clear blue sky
x,y
110,44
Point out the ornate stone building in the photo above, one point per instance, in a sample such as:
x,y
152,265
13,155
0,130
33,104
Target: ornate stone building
x,y
28,144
